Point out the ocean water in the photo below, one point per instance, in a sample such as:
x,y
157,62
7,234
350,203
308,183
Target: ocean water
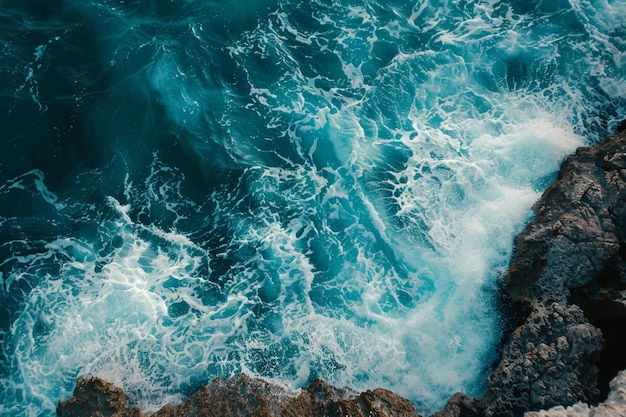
x,y
292,189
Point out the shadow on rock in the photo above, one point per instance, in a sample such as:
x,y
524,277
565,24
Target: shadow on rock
x,y
568,279
241,396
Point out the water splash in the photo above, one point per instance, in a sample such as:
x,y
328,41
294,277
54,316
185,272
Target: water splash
x,y
309,189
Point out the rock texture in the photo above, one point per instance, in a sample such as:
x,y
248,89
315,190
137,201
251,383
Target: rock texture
x,y
567,280
579,232
566,283
241,396
614,406
94,397
549,361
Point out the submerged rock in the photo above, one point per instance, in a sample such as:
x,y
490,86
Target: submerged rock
x,y
241,396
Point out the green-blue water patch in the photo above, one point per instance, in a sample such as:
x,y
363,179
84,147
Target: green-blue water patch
x,y
292,189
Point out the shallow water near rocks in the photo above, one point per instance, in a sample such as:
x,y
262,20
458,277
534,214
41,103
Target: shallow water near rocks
x,y
291,189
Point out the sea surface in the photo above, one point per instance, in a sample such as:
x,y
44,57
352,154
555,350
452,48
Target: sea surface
x,y
294,189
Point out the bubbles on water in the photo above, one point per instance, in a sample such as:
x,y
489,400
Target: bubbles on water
x,y
367,167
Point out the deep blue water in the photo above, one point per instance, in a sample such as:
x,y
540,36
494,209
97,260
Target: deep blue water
x,y
292,189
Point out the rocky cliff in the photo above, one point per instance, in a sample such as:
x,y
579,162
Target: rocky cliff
x,y
566,287
567,281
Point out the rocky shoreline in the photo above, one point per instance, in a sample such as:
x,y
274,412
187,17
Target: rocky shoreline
x,y
566,287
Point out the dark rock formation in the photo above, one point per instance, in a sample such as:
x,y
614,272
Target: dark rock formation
x,y
241,396
579,230
568,280
549,361
567,283
94,397
614,406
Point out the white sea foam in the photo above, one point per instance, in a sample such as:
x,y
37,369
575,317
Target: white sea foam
x,y
385,159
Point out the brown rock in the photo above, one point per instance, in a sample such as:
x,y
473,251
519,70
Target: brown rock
x,y
241,396
237,396
333,402
94,397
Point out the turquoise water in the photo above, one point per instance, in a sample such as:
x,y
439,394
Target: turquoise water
x,y
292,189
